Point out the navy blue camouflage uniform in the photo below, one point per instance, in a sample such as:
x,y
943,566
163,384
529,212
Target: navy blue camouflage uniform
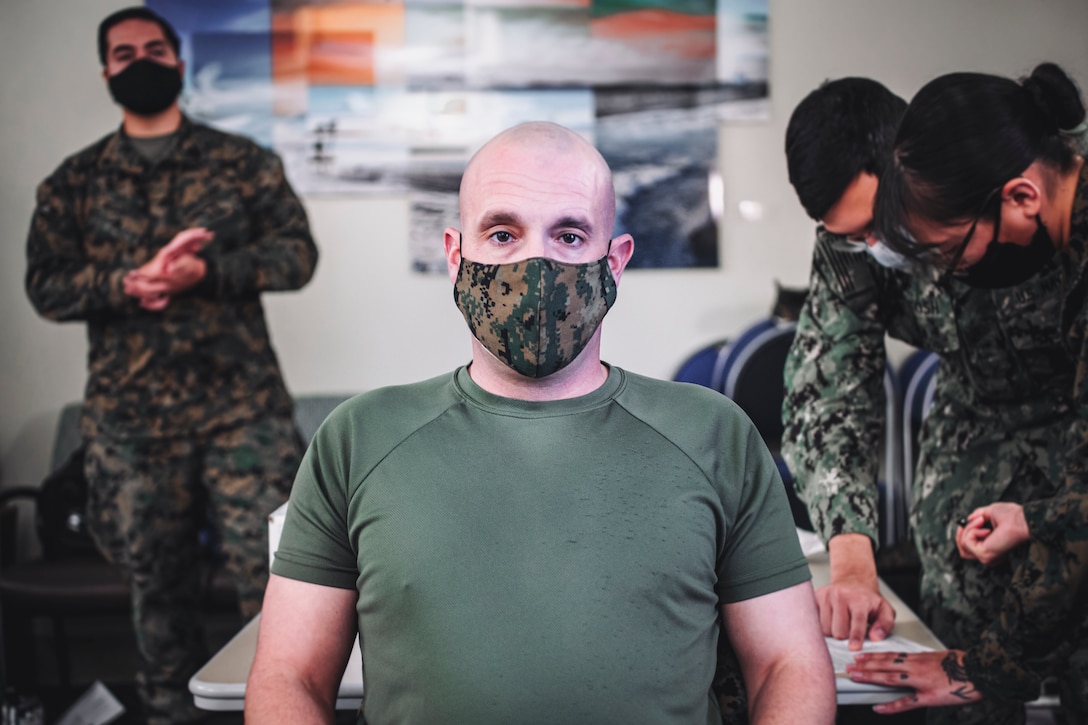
x,y
1003,400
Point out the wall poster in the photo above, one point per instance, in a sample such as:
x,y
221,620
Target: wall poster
x,y
391,97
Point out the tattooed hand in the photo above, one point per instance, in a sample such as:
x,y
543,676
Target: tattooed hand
x,y
937,678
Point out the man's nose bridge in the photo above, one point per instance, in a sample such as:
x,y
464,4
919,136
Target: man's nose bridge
x,y
535,243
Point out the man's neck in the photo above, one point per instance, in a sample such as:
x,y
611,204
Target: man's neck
x,y
581,377
160,124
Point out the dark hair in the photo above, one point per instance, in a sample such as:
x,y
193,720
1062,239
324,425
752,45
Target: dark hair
x,y
134,13
963,136
837,131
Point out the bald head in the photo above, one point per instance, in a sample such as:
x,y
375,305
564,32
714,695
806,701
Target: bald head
x,y
535,148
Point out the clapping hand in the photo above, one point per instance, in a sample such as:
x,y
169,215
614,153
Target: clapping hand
x,y
175,268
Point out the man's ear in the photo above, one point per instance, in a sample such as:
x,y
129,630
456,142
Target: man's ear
x,y
451,241
619,254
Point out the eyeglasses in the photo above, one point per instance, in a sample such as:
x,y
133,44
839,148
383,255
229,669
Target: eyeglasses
x,y
948,268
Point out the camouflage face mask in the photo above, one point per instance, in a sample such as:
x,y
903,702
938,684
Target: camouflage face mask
x,y
535,315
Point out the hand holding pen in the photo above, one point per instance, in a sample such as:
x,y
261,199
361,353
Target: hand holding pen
x,y
989,533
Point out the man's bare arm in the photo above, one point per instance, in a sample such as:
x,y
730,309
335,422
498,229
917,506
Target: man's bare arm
x,y
305,639
787,669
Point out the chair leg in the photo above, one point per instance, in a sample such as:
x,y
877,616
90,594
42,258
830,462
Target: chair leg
x,y
60,648
20,658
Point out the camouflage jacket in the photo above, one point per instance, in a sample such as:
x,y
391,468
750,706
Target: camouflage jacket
x,y
1045,613
1004,372
205,361
1004,396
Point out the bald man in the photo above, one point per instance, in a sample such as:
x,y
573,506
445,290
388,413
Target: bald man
x,y
539,536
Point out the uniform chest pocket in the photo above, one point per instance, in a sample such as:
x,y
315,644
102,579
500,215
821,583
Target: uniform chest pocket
x,y
117,224
1015,342
927,321
1030,314
213,201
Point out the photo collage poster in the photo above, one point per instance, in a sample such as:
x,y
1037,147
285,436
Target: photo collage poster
x,y
390,98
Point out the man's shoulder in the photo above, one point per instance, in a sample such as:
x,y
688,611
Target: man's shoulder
x,y
673,402
86,158
365,428
224,145
395,406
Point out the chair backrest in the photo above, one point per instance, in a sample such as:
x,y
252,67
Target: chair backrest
x,y
699,367
68,437
894,503
311,411
749,371
918,381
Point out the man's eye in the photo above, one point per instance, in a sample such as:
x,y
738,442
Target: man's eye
x,y
502,237
569,238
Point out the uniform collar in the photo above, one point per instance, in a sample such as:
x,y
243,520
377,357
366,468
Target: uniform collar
x,y
119,154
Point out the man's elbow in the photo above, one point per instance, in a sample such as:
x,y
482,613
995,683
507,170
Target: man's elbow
x,y
277,693
798,690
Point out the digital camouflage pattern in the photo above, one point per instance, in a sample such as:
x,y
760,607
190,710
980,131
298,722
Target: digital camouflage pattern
x,y
204,362
1003,396
149,500
535,315
1047,606
186,405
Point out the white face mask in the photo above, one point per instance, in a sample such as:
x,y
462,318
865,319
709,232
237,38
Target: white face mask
x,y
886,257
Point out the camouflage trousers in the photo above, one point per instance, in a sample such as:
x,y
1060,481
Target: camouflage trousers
x,y
149,503
961,598
728,686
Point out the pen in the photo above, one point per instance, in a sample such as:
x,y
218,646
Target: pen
x,y
962,521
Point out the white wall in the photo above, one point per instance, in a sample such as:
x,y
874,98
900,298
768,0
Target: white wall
x,y
365,320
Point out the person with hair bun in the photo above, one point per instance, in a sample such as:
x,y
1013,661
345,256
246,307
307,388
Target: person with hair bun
x,y
987,187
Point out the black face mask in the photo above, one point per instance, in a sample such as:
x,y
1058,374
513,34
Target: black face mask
x,y
146,87
1007,265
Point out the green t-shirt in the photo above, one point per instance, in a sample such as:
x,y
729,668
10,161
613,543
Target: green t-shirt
x,y
559,562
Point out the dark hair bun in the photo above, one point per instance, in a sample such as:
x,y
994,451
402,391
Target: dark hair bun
x,y
1056,95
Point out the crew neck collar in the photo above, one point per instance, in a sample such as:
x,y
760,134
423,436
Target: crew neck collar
x,y
513,406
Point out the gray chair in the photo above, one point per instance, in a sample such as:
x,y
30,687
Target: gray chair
x,y
311,411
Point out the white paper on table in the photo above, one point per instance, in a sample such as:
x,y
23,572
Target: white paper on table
x,y
811,543
842,656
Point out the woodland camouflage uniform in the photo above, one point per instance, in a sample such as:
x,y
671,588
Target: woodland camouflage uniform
x,y
1003,400
185,408
1047,606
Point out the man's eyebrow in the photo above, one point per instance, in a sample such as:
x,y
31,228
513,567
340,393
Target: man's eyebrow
x,y
577,222
130,47
498,219
512,219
